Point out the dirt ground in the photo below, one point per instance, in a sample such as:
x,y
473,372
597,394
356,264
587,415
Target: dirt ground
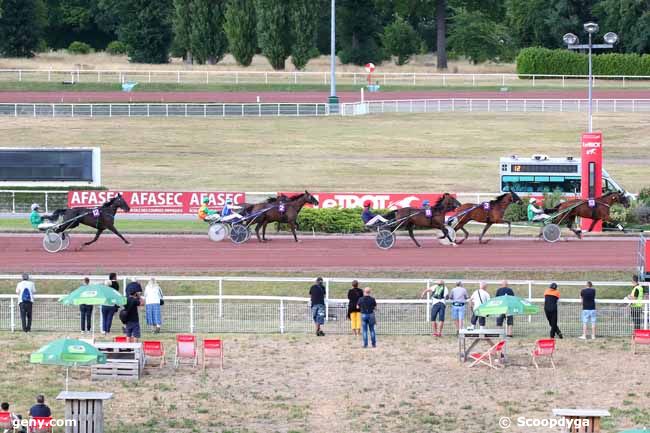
x,y
301,383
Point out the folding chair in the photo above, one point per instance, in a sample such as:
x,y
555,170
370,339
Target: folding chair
x,y
6,423
120,339
213,348
154,349
186,350
640,337
491,358
40,424
543,348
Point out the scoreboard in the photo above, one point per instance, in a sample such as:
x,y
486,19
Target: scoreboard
x,y
50,166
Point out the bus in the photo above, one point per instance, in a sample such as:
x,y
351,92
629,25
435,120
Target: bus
x,y
540,174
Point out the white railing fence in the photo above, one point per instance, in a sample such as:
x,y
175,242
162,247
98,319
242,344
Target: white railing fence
x,y
72,76
219,313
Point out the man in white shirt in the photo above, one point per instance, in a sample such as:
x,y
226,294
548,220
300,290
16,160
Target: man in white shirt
x,y
439,294
478,298
25,291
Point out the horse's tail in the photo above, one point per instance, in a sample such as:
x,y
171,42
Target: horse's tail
x,y
551,209
390,215
54,216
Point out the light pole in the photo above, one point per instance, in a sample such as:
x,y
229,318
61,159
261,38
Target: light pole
x,y
333,99
571,41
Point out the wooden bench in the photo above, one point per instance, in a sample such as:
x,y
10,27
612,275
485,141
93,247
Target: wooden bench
x,y
581,420
86,409
124,361
640,337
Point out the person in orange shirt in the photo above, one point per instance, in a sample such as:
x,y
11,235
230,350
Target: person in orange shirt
x,y
551,299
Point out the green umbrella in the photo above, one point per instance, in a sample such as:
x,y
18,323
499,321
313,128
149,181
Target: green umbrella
x,y
67,352
508,305
94,294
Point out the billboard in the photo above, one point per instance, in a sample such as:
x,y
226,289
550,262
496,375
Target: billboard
x,y
592,171
348,200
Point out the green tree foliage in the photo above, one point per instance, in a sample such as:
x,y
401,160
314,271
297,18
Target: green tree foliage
x,y
272,36
239,26
21,27
116,48
145,27
538,60
358,32
182,26
401,40
630,19
474,35
208,41
74,20
304,25
78,47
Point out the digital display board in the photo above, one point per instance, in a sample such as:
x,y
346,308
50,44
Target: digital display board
x,y
544,168
29,165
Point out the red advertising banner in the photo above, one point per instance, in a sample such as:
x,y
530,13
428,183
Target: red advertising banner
x,y
347,200
156,202
592,171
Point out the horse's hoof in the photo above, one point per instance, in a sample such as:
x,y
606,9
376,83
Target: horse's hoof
x,y
454,244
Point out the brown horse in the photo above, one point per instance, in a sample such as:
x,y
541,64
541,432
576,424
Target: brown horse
x,y
487,212
580,208
282,209
415,217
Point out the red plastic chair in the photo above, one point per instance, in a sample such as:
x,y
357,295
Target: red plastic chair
x,y
152,350
186,349
640,337
6,423
120,339
213,348
543,348
490,358
40,424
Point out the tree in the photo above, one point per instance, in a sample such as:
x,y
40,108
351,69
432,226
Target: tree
x,y
441,34
272,36
630,19
207,39
304,25
401,40
21,27
358,32
182,26
74,20
474,35
239,26
145,27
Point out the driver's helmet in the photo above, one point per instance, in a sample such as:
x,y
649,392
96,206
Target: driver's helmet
x,y
228,201
425,203
367,203
205,200
35,206
532,200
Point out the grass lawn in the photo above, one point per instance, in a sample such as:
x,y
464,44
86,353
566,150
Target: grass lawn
x,y
391,153
296,383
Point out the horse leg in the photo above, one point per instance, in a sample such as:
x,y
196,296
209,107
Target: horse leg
x,y
465,233
410,230
509,227
257,231
118,234
99,232
485,229
593,224
570,223
293,230
264,233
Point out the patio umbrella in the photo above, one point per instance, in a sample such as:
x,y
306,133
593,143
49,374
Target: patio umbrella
x,y
67,352
93,294
508,305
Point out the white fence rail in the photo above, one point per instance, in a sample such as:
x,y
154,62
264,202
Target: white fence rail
x,y
70,76
501,105
219,312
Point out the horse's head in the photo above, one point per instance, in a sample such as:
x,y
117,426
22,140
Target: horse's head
x,y
621,198
514,197
311,199
121,203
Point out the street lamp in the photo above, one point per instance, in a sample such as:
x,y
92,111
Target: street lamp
x,y
571,41
333,99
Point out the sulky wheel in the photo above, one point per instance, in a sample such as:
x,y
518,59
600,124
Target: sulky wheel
x,y
52,242
551,233
66,241
385,239
217,232
239,233
452,235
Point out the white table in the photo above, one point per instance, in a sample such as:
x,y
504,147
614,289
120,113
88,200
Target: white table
x,y
490,336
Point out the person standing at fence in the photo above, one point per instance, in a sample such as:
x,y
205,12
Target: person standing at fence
x,y
133,286
478,298
153,299
504,290
132,318
25,291
458,297
354,294
551,298
367,306
636,308
317,293
108,311
86,312
439,295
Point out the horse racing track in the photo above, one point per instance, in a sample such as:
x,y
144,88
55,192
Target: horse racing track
x,y
167,253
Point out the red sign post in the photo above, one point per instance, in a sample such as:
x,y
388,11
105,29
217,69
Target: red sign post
x,y
592,171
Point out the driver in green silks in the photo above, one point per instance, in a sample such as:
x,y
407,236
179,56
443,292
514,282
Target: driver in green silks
x,y
535,213
35,217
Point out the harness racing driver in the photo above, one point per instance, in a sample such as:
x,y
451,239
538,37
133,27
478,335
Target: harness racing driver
x,y
534,213
370,218
205,213
228,212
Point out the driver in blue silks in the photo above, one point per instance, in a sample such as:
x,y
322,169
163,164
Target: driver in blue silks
x,y
228,212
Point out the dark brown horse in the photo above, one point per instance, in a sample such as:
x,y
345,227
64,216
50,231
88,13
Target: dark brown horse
x,y
487,212
416,217
99,218
282,210
580,208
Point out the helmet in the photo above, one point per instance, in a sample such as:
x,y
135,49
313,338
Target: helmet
x,y
228,201
205,200
425,203
532,200
35,206
367,203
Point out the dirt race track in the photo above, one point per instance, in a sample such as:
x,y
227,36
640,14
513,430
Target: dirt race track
x,y
19,253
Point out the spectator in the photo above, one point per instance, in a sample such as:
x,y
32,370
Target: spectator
x,y
153,299
551,298
354,294
478,298
504,290
439,294
108,311
25,291
132,323
14,418
588,295
317,293
133,286
636,309
367,306
458,297
40,409
86,312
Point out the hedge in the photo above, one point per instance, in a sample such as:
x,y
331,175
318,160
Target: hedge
x,y
537,60
77,47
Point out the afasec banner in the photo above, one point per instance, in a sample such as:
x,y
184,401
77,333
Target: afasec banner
x,y
155,202
347,200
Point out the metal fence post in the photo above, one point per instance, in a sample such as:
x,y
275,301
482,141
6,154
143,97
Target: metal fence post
x,y
13,315
426,313
13,201
15,110
220,297
281,316
191,316
178,76
46,197
20,75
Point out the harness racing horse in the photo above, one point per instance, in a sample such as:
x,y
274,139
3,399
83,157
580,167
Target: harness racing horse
x,y
487,212
569,210
282,210
416,217
100,218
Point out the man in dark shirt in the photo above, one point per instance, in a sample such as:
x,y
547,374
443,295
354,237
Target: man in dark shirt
x,y
367,306
133,287
317,294
108,311
504,290
354,294
40,409
132,325
551,298
588,295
